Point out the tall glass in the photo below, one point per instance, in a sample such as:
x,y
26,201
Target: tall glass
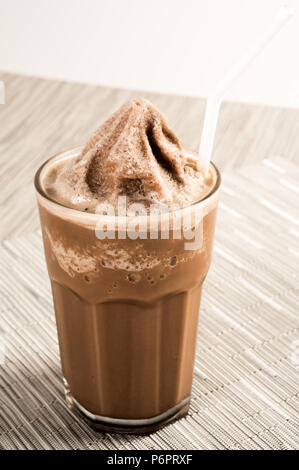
x,y
126,311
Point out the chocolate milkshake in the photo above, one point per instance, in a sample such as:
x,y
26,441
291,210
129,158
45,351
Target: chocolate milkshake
x,y
127,302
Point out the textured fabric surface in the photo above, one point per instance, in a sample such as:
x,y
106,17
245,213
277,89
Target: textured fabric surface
x,y
245,390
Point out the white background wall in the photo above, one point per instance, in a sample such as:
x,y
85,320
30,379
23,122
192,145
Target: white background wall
x,y
175,46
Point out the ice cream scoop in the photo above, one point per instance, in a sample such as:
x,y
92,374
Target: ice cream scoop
x,y
133,153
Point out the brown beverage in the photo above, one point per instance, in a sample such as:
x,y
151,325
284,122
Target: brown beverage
x,y
127,309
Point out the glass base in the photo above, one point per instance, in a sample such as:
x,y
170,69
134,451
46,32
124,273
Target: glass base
x,y
118,425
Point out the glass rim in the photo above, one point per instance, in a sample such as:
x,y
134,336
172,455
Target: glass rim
x,y
41,192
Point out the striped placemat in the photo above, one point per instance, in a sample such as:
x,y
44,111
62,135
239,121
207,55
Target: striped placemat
x,y
245,392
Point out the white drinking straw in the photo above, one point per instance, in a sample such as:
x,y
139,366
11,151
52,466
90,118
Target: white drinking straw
x,y
214,100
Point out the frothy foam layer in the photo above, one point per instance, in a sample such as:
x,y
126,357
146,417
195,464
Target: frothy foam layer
x,y
133,154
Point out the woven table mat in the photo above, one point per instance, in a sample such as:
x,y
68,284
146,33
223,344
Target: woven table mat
x,y
245,389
